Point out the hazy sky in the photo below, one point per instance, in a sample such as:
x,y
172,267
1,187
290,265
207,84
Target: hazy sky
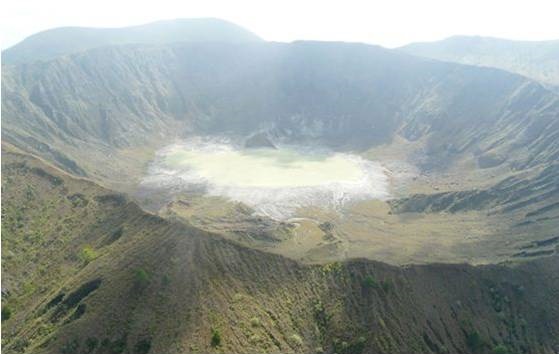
x,y
388,23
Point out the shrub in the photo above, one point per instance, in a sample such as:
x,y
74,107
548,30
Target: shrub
x,y
20,344
105,343
369,282
387,285
118,346
216,338
255,322
70,347
88,254
334,267
91,344
165,280
321,317
29,193
141,278
143,346
352,347
500,349
6,313
255,338
474,341
296,340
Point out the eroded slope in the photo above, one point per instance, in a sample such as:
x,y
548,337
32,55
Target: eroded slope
x,y
126,101
128,281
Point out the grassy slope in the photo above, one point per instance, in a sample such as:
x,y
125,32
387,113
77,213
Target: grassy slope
x,y
164,287
538,60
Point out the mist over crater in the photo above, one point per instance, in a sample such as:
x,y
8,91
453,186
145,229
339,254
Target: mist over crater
x,y
274,182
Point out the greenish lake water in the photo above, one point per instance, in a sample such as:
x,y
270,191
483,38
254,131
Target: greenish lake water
x,y
267,168
274,182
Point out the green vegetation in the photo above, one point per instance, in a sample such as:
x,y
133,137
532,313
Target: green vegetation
x,y
255,338
141,278
114,347
216,338
369,282
91,343
6,313
70,347
255,322
350,347
165,280
20,345
387,285
321,318
88,254
143,346
474,341
334,267
295,340
500,349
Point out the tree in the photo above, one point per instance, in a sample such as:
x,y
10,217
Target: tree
x,y
216,338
